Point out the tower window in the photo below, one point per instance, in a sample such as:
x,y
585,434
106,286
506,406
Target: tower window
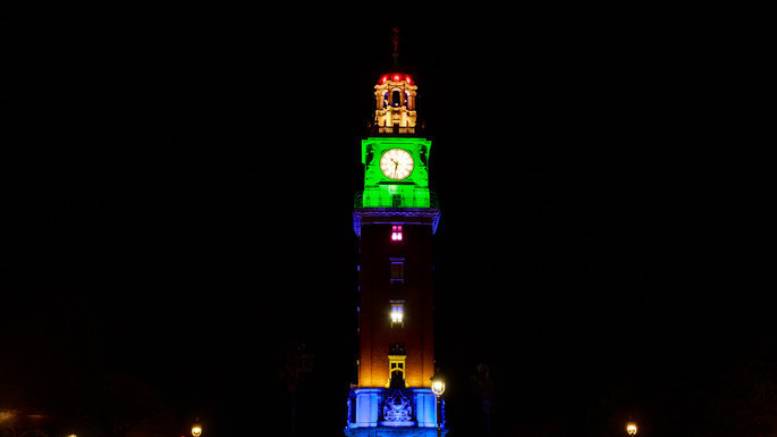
x,y
397,313
397,270
396,233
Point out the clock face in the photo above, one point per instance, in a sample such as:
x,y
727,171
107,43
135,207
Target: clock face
x,y
396,164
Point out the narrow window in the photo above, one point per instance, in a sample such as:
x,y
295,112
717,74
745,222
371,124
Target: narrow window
x,y
396,233
397,313
397,270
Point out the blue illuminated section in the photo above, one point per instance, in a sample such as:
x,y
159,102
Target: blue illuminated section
x,y
377,216
379,412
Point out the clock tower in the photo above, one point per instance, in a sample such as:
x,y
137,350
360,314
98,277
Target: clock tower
x,y
395,218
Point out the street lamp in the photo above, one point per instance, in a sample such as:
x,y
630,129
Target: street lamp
x,y
631,428
196,430
438,388
7,415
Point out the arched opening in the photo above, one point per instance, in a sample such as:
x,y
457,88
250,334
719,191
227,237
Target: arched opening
x,y
396,98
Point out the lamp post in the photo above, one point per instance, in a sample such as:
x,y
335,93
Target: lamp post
x,y
196,429
438,388
631,428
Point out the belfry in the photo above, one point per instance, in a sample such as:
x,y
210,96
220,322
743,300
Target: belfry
x,y
395,217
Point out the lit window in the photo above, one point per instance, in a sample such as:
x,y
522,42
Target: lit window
x,y
397,313
397,270
396,233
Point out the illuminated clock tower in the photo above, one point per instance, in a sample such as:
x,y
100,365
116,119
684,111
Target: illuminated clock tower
x,y
395,218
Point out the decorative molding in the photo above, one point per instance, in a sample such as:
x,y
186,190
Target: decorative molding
x,y
389,216
397,409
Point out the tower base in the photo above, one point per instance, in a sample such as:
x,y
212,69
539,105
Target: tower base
x,y
380,412
394,432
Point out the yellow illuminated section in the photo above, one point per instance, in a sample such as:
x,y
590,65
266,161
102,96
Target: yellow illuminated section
x,y
395,96
396,365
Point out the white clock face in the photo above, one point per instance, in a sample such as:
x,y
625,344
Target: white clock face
x,y
396,164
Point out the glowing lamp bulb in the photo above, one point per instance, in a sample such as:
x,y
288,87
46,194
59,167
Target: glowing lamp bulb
x,y
396,78
409,79
438,387
631,428
384,79
196,430
6,416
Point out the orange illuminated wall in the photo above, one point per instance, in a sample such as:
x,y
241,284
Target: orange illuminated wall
x,y
378,336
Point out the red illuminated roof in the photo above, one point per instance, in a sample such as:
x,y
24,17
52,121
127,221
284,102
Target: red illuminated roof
x,y
396,77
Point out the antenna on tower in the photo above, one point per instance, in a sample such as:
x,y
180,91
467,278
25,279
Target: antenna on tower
x,y
395,43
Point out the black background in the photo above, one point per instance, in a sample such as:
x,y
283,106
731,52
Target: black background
x,y
179,186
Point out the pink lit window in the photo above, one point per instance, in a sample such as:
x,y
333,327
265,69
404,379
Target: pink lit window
x,y
396,233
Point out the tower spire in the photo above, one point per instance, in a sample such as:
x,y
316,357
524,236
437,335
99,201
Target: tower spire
x,y
395,44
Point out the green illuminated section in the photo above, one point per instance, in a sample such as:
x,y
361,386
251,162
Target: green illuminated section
x,y
380,191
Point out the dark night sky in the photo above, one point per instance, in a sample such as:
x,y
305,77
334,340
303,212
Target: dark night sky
x,y
180,188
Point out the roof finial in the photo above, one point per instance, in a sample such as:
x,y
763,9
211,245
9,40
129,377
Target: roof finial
x,y
395,42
